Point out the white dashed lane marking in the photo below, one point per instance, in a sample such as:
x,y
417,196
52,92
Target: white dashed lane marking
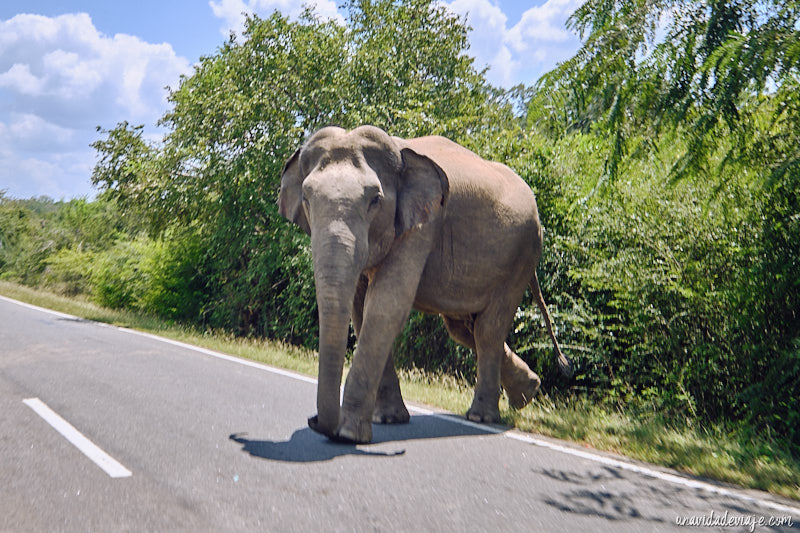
x,y
110,465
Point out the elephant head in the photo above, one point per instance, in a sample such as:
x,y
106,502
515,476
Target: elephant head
x,y
356,194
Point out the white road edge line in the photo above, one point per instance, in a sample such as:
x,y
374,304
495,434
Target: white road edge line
x,y
37,308
224,357
110,465
514,435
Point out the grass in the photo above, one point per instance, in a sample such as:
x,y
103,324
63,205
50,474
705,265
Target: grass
x,y
707,452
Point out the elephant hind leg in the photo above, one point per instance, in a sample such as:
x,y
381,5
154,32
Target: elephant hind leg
x,y
489,333
521,384
519,381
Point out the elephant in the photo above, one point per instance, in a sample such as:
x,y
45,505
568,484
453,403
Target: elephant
x,y
420,223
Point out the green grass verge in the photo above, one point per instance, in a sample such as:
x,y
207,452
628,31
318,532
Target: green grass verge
x,y
707,452
702,451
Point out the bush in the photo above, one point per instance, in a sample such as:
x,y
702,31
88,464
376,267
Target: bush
x,y
117,275
173,285
68,272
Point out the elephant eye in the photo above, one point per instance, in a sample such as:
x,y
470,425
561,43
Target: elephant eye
x,y
376,200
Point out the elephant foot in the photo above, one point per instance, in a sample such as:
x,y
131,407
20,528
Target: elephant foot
x,y
391,414
522,389
483,413
313,423
350,433
354,430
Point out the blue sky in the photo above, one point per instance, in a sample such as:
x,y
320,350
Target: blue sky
x,y
67,66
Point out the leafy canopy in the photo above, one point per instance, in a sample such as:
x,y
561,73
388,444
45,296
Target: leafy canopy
x,y
720,70
243,111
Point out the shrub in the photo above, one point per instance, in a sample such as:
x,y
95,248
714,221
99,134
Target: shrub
x,y
173,284
117,274
68,272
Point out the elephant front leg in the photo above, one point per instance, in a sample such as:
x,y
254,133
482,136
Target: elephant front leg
x,y
361,389
383,320
387,304
389,406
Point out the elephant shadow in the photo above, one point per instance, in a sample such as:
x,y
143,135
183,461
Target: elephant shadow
x,y
306,446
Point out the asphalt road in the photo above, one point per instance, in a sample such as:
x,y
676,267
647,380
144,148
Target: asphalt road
x,y
216,444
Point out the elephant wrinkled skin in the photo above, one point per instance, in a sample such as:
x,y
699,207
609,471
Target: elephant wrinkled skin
x,y
397,224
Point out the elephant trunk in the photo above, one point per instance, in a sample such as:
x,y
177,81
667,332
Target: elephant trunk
x,y
336,270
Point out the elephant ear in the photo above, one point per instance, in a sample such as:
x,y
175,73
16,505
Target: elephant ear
x,y
290,200
422,191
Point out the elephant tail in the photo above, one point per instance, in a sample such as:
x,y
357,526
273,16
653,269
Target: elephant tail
x,y
564,364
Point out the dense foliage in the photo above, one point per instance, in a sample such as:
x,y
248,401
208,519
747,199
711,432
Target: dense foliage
x,y
709,91
663,156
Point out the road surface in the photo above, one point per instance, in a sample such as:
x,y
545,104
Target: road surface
x,y
190,440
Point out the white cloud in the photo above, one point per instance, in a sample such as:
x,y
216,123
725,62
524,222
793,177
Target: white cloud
x,y
59,78
232,11
66,60
521,53
487,44
26,131
60,175
543,24
20,78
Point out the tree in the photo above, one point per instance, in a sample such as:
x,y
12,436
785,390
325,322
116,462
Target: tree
x,y
243,111
712,90
718,69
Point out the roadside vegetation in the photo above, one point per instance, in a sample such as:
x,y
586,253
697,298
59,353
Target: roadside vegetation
x,y
664,160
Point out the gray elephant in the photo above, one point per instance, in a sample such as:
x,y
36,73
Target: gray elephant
x,y
422,223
